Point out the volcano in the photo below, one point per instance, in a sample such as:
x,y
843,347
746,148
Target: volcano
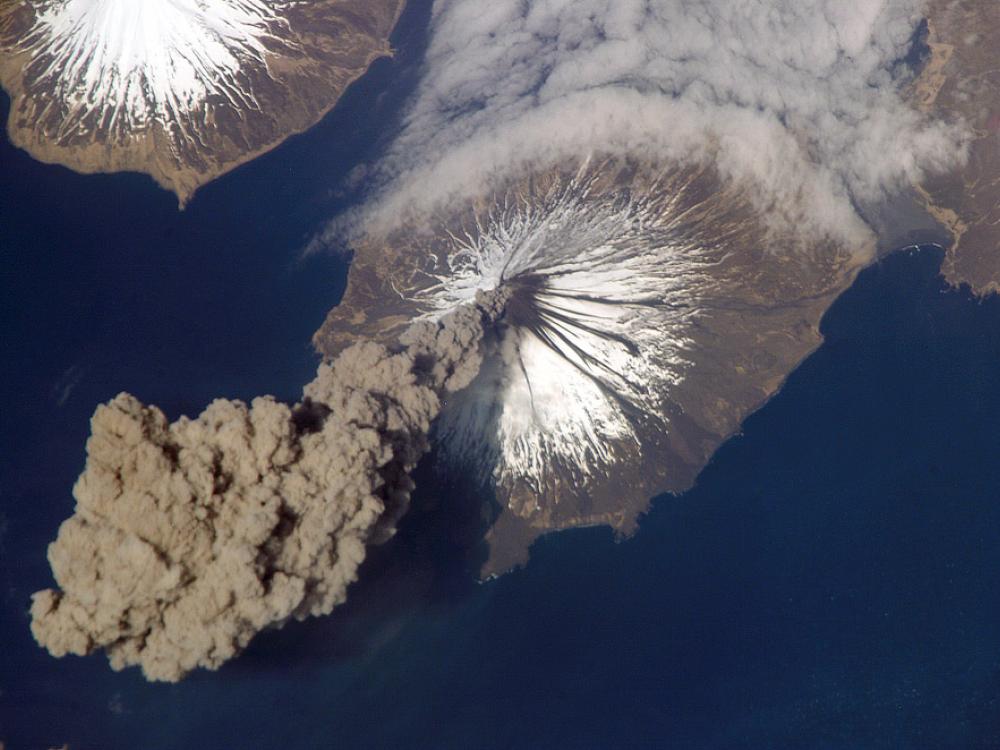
x,y
649,310
183,90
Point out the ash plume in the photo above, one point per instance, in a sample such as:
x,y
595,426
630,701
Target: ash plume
x,y
190,538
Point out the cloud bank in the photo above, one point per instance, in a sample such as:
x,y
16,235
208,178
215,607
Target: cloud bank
x,y
800,99
189,538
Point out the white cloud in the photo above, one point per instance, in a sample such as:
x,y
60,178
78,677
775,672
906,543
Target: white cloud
x,y
799,97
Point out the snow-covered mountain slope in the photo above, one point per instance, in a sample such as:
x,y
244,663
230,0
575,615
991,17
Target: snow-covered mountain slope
x,y
181,89
604,290
650,309
121,63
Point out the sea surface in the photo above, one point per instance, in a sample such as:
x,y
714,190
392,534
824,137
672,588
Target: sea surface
x,y
831,583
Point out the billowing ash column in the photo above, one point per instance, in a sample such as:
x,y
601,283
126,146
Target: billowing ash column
x,y
191,537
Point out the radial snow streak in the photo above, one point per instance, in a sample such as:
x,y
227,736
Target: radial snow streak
x,y
127,61
603,288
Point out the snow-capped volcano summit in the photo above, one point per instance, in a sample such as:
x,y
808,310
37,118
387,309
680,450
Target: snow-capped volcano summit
x,y
604,287
181,89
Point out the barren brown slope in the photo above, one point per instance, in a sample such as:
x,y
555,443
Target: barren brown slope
x,y
961,81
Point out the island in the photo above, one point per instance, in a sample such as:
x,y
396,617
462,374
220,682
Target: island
x,y
180,90
648,315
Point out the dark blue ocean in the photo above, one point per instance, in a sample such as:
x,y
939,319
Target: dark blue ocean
x,y
831,583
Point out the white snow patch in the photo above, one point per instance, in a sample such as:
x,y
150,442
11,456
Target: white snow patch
x,y
120,64
605,288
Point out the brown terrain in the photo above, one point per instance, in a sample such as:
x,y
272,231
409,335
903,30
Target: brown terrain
x,y
323,47
961,82
758,319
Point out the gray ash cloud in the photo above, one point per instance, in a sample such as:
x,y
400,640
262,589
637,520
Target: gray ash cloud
x,y
191,537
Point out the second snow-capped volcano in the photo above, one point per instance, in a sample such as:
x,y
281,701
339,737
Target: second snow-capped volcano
x,y
181,89
122,64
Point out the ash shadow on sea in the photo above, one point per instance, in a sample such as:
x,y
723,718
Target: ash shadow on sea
x,y
431,565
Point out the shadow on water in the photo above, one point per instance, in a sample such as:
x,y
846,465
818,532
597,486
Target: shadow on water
x,y
430,565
